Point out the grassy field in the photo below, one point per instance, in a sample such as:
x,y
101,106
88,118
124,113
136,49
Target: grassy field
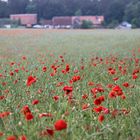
x,y
69,84
73,42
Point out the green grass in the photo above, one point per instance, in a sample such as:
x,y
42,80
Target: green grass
x,y
73,42
79,48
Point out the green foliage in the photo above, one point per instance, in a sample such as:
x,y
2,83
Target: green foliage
x,y
108,49
17,6
115,12
13,23
86,24
78,12
31,8
132,13
113,24
135,22
3,9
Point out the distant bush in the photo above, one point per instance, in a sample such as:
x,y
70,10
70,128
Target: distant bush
x,y
135,22
113,24
86,24
5,21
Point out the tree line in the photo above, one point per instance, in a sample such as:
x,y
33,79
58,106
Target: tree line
x,y
114,11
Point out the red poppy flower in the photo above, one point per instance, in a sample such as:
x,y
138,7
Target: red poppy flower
x,y
100,89
1,75
59,84
4,83
112,71
29,116
11,73
44,69
11,138
35,102
114,113
2,97
60,56
16,70
4,114
12,63
116,78
75,78
126,84
50,132
85,106
90,83
24,57
47,132
25,109
1,134
125,111
101,118
98,109
76,71
30,80
60,125
106,110
22,137
110,85
134,76
52,74
45,115
56,98
85,96
136,71
67,68
97,101
118,91
116,88
82,67
94,91
101,109
123,97
102,98
68,89
112,94
63,71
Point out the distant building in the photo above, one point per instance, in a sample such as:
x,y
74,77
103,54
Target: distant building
x,y
96,20
62,21
25,19
46,22
72,20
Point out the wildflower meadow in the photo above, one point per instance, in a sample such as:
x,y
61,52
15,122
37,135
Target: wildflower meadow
x,y
69,84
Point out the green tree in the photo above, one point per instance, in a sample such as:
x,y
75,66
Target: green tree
x,y
78,12
17,6
132,13
31,8
115,12
3,9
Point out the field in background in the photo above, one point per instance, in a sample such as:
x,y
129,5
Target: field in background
x,y
87,78
73,42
